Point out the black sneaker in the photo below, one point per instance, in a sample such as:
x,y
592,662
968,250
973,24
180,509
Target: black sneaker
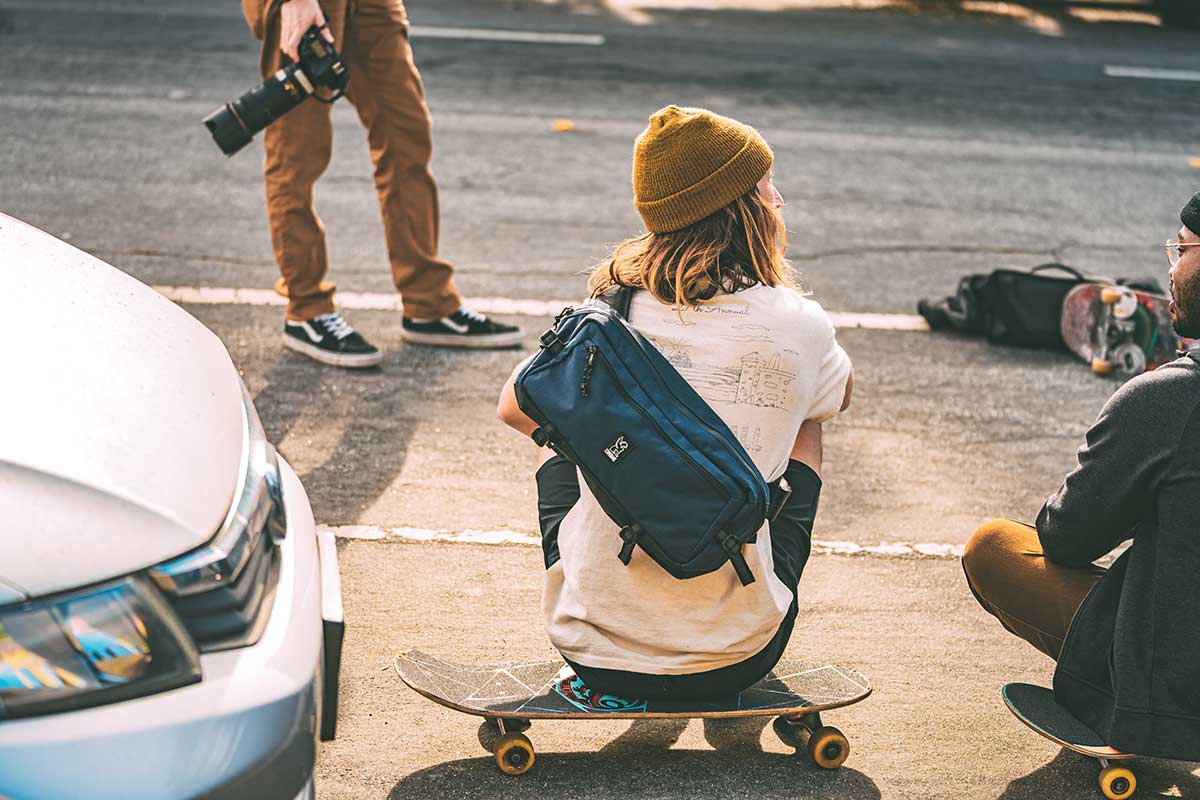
x,y
330,340
463,328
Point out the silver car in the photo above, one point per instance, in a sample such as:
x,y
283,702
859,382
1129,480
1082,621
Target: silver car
x,y
170,621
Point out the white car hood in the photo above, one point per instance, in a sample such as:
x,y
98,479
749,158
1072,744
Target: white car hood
x,y
121,421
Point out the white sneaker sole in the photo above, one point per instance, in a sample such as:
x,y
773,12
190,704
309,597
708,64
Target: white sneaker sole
x,y
478,342
348,360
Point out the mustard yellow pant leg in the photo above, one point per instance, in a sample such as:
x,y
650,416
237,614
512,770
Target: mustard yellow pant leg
x,y
1011,578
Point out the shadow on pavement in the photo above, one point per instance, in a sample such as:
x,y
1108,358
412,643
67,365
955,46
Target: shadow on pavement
x,y
644,735
354,420
639,763
1070,774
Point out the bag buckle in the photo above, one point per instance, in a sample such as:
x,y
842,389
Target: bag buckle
x,y
550,341
629,535
733,549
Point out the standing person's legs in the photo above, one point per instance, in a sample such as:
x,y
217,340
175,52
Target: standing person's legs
x,y
387,92
1011,578
298,147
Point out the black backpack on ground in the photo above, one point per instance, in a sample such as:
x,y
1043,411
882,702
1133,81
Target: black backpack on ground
x,y
1017,307
1007,306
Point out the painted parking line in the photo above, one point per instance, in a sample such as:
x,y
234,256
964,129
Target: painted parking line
x,y
518,37
500,537
504,306
878,322
1146,73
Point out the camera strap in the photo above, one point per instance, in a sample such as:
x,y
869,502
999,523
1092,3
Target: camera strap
x,y
331,100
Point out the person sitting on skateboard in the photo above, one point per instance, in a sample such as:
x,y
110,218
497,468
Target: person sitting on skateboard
x,y
1125,639
718,299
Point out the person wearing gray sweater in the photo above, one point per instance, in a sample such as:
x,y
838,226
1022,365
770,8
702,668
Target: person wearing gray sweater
x,y
1126,639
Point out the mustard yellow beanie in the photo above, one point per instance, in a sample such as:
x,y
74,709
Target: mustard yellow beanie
x,y
691,162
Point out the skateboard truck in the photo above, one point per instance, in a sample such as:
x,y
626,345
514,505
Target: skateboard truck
x,y
826,746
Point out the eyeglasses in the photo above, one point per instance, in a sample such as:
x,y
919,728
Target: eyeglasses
x,y
1175,250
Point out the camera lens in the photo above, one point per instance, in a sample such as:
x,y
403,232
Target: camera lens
x,y
227,130
234,125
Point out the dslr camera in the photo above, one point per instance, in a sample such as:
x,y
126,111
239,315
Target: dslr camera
x,y
234,124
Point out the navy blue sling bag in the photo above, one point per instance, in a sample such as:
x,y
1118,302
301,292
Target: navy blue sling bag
x,y
658,459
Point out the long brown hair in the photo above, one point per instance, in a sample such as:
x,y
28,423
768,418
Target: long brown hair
x,y
736,247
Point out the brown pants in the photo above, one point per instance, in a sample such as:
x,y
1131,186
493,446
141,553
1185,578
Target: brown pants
x,y
386,90
1014,582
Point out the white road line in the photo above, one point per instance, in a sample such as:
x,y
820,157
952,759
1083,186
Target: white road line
x,y
1152,74
878,322
834,548
378,301
521,37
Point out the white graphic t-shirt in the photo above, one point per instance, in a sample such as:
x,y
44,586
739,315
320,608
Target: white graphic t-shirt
x,y
766,359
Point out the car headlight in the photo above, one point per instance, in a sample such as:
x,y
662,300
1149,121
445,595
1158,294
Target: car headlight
x,y
90,647
122,639
258,508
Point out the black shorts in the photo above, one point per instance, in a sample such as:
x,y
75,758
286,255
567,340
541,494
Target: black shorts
x,y
791,542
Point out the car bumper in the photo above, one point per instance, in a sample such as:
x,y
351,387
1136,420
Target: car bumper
x,y
248,729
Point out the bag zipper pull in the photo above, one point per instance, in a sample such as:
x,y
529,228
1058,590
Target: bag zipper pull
x,y
588,366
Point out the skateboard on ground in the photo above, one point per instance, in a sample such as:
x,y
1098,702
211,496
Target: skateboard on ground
x,y
795,693
1118,327
1036,707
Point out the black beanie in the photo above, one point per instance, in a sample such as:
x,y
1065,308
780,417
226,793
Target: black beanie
x,y
1191,214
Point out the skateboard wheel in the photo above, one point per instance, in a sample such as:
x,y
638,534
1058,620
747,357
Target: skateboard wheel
x,y
1102,366
1109,295
828,748
514,754
1130,359
1117,783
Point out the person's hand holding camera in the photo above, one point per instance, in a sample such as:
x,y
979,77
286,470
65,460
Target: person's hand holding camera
x,y
297,16
316,65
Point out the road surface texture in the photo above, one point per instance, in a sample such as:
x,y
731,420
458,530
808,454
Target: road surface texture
x,y
914,143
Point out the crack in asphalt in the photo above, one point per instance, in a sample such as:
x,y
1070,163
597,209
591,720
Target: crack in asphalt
x,y
144,253
836,252
1054,251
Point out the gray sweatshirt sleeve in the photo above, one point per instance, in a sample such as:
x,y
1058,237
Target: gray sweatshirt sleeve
x,y
1125,455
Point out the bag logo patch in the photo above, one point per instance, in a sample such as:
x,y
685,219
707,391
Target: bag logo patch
x,y
617,449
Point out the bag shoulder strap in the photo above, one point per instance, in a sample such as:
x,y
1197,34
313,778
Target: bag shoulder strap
x,y
619,298
1061,267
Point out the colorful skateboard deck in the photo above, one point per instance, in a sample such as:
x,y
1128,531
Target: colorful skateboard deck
x,y
1035,706
795,692
1116,327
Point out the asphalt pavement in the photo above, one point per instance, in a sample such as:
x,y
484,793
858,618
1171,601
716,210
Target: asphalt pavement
x,y
912,147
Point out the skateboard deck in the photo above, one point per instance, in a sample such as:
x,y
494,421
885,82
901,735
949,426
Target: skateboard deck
x,y
795,691
1035,706
1117,327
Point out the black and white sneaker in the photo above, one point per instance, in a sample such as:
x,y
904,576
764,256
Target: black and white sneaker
x,y
330,340
463,328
